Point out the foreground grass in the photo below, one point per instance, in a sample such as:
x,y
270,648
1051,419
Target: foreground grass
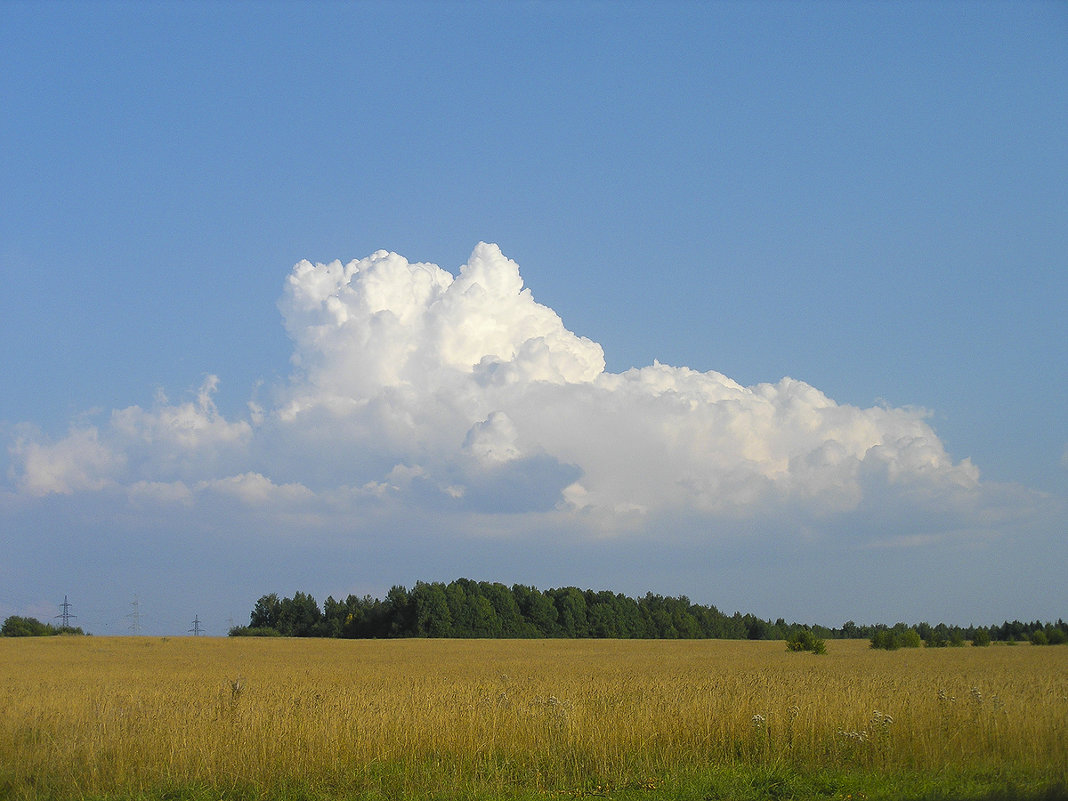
x,y
191,719
720,784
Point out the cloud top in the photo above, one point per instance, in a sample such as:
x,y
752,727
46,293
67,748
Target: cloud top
x,y
382,323
462,392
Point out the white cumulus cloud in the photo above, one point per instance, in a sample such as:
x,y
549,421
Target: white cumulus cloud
x,y
464,393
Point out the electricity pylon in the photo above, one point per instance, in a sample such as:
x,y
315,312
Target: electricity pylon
x,y
135,617
65,614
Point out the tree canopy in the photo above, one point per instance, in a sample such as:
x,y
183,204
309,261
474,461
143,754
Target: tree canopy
x,y
16,626
467,608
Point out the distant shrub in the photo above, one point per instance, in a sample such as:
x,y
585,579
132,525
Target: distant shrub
x,y
884,639
254,631
1038,637
805,640
16,626
900,636
910,638
981,638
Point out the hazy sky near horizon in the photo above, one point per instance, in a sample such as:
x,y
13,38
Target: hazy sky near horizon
x,y
760,303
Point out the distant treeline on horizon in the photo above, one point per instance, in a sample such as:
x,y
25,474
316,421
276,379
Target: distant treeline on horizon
x,y
469,609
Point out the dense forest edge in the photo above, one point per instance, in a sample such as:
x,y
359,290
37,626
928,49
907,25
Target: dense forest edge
x,y
470,609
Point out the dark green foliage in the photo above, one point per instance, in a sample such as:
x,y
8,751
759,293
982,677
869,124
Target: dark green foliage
x,y
537,610
940,636
298,616
505,609
469,609
805,640
933,637
851,631
251,631
466,608
614,615
265,612
570,606
900,636
945,635
433,618
16,626
884,639
1016,631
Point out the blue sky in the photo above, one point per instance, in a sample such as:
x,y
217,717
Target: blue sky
x,y
870,199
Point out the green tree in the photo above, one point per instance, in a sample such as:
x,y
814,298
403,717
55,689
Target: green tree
x,y
16,626
505,609
334,614
603,621
900,636
537,609
756,629
299,616
570,606
658,619
265,613
364,617
851,631
432,615
682,618
484,616
399,611
461,611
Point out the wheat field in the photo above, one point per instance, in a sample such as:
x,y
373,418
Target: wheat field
x,y
138,717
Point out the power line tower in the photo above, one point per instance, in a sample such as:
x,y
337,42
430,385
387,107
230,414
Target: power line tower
x,y
196,630
135,617
65,615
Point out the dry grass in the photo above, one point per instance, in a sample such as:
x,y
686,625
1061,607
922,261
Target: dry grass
x,y
93,716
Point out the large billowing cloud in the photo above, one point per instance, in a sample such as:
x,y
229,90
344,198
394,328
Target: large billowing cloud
x,y
413,386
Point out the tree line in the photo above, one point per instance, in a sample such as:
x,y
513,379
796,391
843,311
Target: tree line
x,y
466,608
891,638
470,609
17,626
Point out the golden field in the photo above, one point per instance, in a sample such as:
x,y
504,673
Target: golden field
x,y
130,717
